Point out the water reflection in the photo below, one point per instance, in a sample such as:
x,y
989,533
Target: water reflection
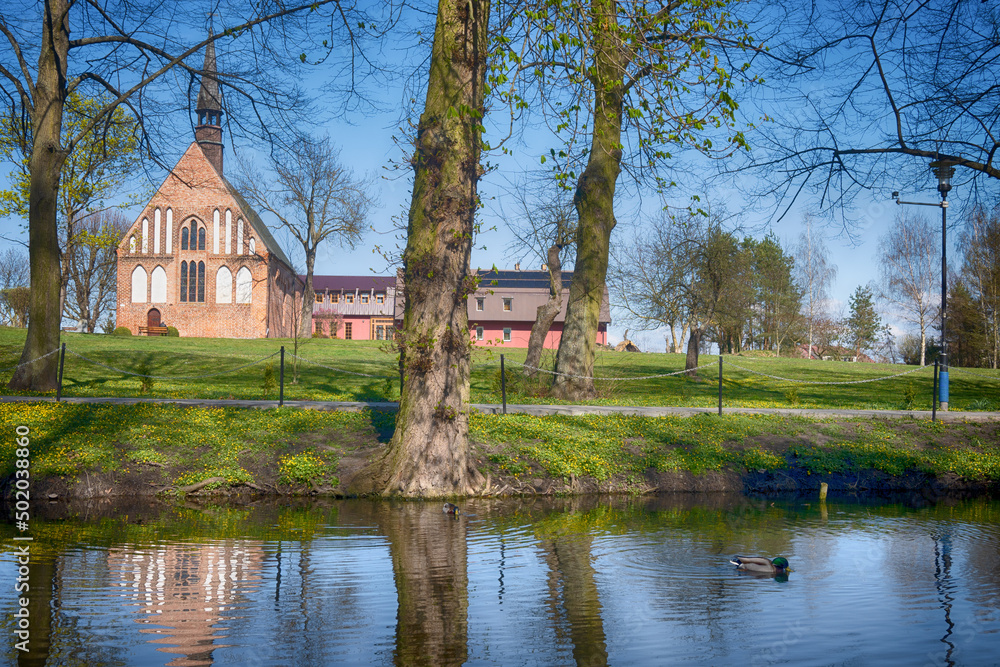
x,y
185,591
585,581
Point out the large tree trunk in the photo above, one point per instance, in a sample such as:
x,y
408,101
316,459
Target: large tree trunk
x,y
594,201
546,313
694,347
429,452
45,164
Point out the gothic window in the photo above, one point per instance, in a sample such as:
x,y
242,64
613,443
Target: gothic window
x,y
253,247
184,276
194,235
224,286
229,232
215,232
158,286
138,285
156,232
201,239
131,245
201,280
192,281
145,236
170,229
239,236
184,238
243,285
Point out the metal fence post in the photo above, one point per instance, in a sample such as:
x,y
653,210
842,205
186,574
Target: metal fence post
x,y
720,384
281,380
62,360
503,385
934,393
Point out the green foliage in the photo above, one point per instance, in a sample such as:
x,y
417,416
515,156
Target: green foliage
x,y
864,323
108,326
792,396
145,368
319,334
909,395
122,331
172,332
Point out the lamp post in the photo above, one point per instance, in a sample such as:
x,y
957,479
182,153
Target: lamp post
x,y
943,171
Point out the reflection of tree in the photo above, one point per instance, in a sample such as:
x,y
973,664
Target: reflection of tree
x,y
571,570
43,571
429,562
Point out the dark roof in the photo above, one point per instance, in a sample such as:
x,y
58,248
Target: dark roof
x,y
208,95
351,283
525,279
263,233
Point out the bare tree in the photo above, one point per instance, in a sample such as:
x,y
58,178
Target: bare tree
x,y
815,273
123,49
909,273
14,293
314,197
544,229
92,271
429,451
878,89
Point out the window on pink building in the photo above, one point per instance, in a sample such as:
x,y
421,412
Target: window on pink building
x,y
479,333
506,334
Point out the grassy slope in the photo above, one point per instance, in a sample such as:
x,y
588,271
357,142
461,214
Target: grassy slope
x,y
179,357
133,449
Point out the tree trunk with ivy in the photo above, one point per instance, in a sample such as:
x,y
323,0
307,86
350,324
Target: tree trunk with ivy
x,y
47,157
545,315
594,200
428,455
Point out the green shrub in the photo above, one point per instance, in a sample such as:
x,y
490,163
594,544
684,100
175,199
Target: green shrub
x,y
108,326
792,396
319,334
269,384
122,331
145,367
172,332
909,395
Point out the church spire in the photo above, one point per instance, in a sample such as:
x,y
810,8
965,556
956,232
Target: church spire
x,y
208,131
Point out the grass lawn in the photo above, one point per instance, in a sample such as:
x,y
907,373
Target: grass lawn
x,y
368,370
133,448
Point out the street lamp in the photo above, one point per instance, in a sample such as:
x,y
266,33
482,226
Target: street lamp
x,y
943,171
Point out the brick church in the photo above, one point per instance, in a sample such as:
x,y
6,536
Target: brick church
x,y
198,257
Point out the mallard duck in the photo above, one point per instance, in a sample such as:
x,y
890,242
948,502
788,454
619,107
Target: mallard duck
x,y
760,565
451,509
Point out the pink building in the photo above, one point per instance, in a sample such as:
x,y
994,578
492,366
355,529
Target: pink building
x,y
354,307
503,309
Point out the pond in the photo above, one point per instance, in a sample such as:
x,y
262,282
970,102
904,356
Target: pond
x,y
585,581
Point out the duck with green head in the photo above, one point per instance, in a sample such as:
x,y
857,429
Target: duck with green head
x,y
761,565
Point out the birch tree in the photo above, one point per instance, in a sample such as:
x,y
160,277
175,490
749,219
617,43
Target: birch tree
x,y
815,273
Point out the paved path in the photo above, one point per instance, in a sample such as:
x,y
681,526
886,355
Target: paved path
x,y
492,408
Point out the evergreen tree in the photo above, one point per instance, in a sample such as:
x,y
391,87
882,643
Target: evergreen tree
x,y
864,323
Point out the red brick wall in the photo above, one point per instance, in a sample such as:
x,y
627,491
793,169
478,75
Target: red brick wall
x,y
193,192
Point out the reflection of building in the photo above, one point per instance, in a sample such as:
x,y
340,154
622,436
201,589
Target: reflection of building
x,y
354,307
184,591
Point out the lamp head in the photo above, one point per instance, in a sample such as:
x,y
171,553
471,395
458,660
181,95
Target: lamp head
x,y
943,171
895,195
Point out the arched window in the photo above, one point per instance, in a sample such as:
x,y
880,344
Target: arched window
x,y
244,285
194,235
239,236
156,232
131,245
158,286
145,236
215,232
229,232
201,281
139,285
184,273
224,286
201,239
192,282
253,246
184,238
170,229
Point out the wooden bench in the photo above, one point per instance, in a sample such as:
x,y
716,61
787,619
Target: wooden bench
x,y
152,331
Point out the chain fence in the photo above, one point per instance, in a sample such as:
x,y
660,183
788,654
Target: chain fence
x,y
724,362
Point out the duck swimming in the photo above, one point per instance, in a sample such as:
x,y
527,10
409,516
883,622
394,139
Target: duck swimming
x,y
761,565
451,509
